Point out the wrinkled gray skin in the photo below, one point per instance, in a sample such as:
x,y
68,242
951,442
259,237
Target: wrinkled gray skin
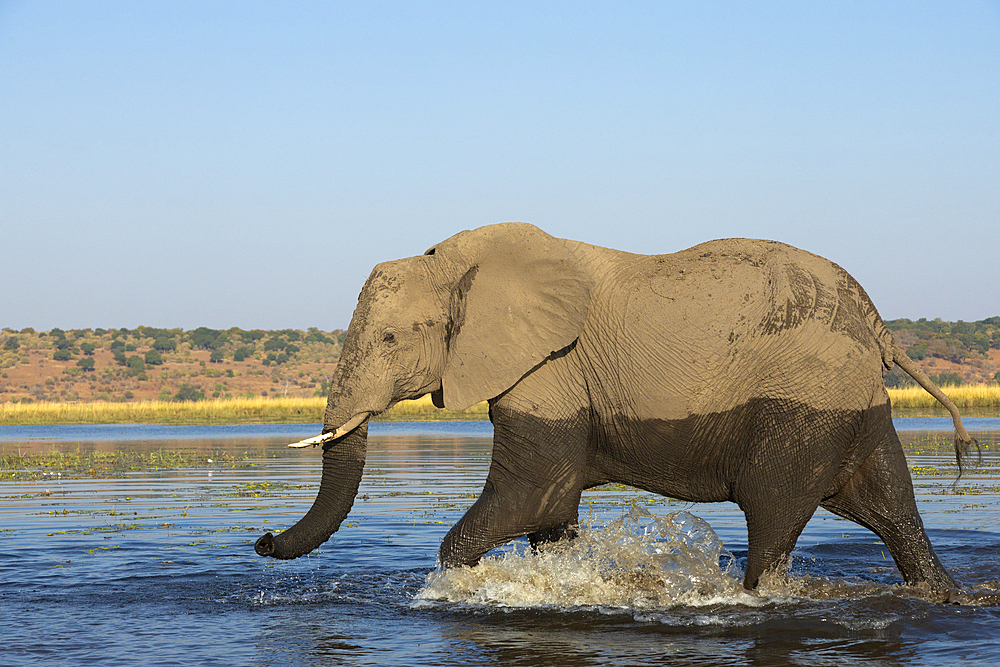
x,y
738,370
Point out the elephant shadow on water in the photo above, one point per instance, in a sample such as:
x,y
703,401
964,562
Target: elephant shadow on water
x,y
737,370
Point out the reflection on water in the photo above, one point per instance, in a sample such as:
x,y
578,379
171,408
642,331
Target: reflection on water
x,y
157,565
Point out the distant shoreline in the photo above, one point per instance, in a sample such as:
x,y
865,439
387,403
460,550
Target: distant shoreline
x,y
219,411
975,400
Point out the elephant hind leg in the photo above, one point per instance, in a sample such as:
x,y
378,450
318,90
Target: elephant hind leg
x,y
794,459
880,497
773,527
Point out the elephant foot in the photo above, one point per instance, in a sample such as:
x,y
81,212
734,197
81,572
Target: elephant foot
x,y
562,531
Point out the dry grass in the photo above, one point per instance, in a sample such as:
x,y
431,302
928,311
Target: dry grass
x,y
229,411
422,408
966,397
310,410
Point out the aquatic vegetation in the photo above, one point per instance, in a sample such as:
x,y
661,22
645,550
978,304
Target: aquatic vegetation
x,y
101,464
262,489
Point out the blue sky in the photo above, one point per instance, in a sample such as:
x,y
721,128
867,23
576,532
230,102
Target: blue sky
x,y
246,164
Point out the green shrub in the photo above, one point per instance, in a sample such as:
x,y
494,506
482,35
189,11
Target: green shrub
x,y
205,338
136,365
165,344
87,364
250,336
188,393
61,355
897,377
153,358
943,379
320,338
278,343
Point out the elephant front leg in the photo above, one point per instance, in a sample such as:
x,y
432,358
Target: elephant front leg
x,y
504,512
475,533
564,531
533,488
537,472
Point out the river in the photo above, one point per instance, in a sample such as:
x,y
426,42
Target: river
x,y
156,565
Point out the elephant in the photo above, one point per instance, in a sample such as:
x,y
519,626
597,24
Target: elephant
x,y
737,370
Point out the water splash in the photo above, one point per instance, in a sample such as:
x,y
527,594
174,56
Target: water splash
x,y
638,562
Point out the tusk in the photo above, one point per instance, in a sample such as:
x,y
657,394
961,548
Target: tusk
x,y
354,422
351,424
315,440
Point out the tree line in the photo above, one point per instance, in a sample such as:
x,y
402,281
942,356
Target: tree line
x,y
958,342
137,349
142,347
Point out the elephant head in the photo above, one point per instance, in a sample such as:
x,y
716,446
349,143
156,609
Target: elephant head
x,y
463,322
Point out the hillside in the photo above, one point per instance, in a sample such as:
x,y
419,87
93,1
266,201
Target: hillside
x,y
171,364
950,352
166,364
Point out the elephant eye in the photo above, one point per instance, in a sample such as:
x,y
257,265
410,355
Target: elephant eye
x,y
389,338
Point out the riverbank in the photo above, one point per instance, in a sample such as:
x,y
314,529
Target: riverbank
x,y
224,411
974,400
980,400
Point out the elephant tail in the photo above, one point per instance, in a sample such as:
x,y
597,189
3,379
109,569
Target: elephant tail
x,y
962,438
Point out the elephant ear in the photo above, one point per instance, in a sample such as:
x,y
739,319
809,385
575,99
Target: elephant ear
x,y
521,296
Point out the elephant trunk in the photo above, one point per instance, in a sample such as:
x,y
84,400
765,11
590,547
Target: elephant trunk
x,y
343,463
